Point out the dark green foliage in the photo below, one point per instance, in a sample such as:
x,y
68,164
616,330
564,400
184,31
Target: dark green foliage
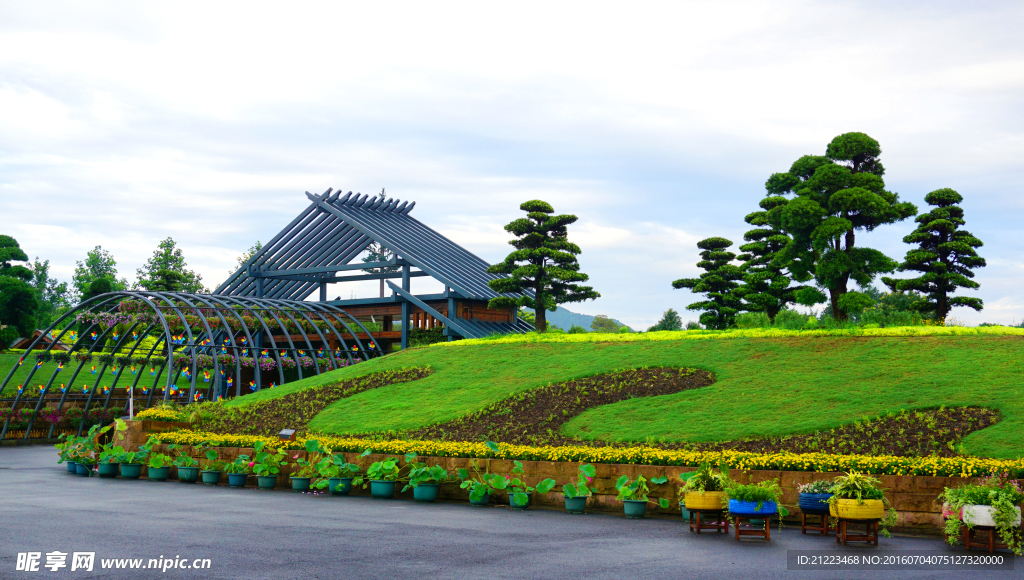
x,y
424,336
99,286
945,256
602,323
98,263
166,271
54,298
577,329
669,321
544,262
766,286
834,198
18,302
719,283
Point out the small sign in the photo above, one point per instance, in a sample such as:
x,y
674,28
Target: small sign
x,y
287,435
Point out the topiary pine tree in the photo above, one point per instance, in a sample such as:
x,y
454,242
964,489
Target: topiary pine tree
x,y
719,283
945,255
766,286
669,321
543,263
835,197
18,302
168,257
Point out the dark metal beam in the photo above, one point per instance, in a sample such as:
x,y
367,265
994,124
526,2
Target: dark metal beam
x,y
426,308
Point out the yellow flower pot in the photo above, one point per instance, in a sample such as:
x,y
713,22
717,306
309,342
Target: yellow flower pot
x,y
871,509
709,500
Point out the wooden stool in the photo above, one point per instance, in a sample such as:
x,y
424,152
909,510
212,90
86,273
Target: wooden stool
x,y
697,521
870,534
823,526
765,532
991,544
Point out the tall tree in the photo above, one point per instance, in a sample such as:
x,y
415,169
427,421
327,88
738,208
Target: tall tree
x,y
834,198
98,263
18,303
544,262
601,323
168,258
669,321
945,256
246,256
718,283
53,297
766,286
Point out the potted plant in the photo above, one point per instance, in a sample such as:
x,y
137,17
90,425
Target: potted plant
x,y
213,468
814,496
308,466
576,494
756,499
85,464
188,467
384,475
704,489
480,485
425,481
336,475
238,470
520,494
159,467
633,494
859,496
995,502
267,465
109,457
64,452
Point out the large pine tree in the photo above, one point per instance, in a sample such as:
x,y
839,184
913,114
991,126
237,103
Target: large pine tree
x,y
945,256
166,271
766,286
718,283
544,262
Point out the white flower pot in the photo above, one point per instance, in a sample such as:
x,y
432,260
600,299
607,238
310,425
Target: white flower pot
x,y
981,515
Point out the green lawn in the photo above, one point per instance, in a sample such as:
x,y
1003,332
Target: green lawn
x,y
41,376
765,387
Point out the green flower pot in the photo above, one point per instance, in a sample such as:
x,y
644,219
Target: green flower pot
x,y
211,477
382,489
108,470
340,485
131,470
159,473
83,470
237,479
485,500
266,481
72,467
300,483
634,508
188,474
512,503
426,491
576,505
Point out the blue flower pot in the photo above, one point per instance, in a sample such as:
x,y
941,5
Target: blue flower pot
x,y
576,505
83,469
158,473
684,512
340,485
382,489
72,467
512,503
484,500
300,483
108,470
131,470
211,477
634,508
188,474
814,503
237,479
749,508
266,481
426,491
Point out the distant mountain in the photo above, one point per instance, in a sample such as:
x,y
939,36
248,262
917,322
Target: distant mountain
x,y
564,319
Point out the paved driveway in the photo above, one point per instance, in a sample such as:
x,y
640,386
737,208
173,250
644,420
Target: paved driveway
x,y
276,535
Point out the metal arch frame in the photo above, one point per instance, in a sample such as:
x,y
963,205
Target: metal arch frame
x,y
181,304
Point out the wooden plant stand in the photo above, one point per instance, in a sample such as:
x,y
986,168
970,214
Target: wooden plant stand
x,y
698,521
971,535
765,532
870,534
824,526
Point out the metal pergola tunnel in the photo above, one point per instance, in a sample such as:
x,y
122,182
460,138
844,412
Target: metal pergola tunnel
x,y
222,346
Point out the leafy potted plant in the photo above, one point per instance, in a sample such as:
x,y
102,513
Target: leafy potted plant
x,y
384,475
238,470
633,494
859,496
336,475
704,489
159,467
85,464
64,451
995,501
188,467
132,461
576,494
425,481
756,499
520,494
480,485
109,457
267,465
213,468
302,477
814,496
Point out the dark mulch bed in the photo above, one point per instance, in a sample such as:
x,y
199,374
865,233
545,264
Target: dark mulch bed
x,y
295,410
535,417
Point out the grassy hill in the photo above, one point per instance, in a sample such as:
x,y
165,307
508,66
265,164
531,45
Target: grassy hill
x,y
786,384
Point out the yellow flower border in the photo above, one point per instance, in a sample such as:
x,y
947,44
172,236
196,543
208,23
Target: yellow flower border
x,y
160,414
785,461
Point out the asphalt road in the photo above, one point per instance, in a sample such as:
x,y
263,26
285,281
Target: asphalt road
x,y
276,535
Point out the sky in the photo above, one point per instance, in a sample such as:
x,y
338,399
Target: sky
x,y
657,124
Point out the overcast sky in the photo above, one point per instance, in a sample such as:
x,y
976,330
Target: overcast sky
x,y
656,123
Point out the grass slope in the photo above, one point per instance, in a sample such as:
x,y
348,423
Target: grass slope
x,y
84,378
765,387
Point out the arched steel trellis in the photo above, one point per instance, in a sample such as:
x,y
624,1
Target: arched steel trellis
x,y
178,335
